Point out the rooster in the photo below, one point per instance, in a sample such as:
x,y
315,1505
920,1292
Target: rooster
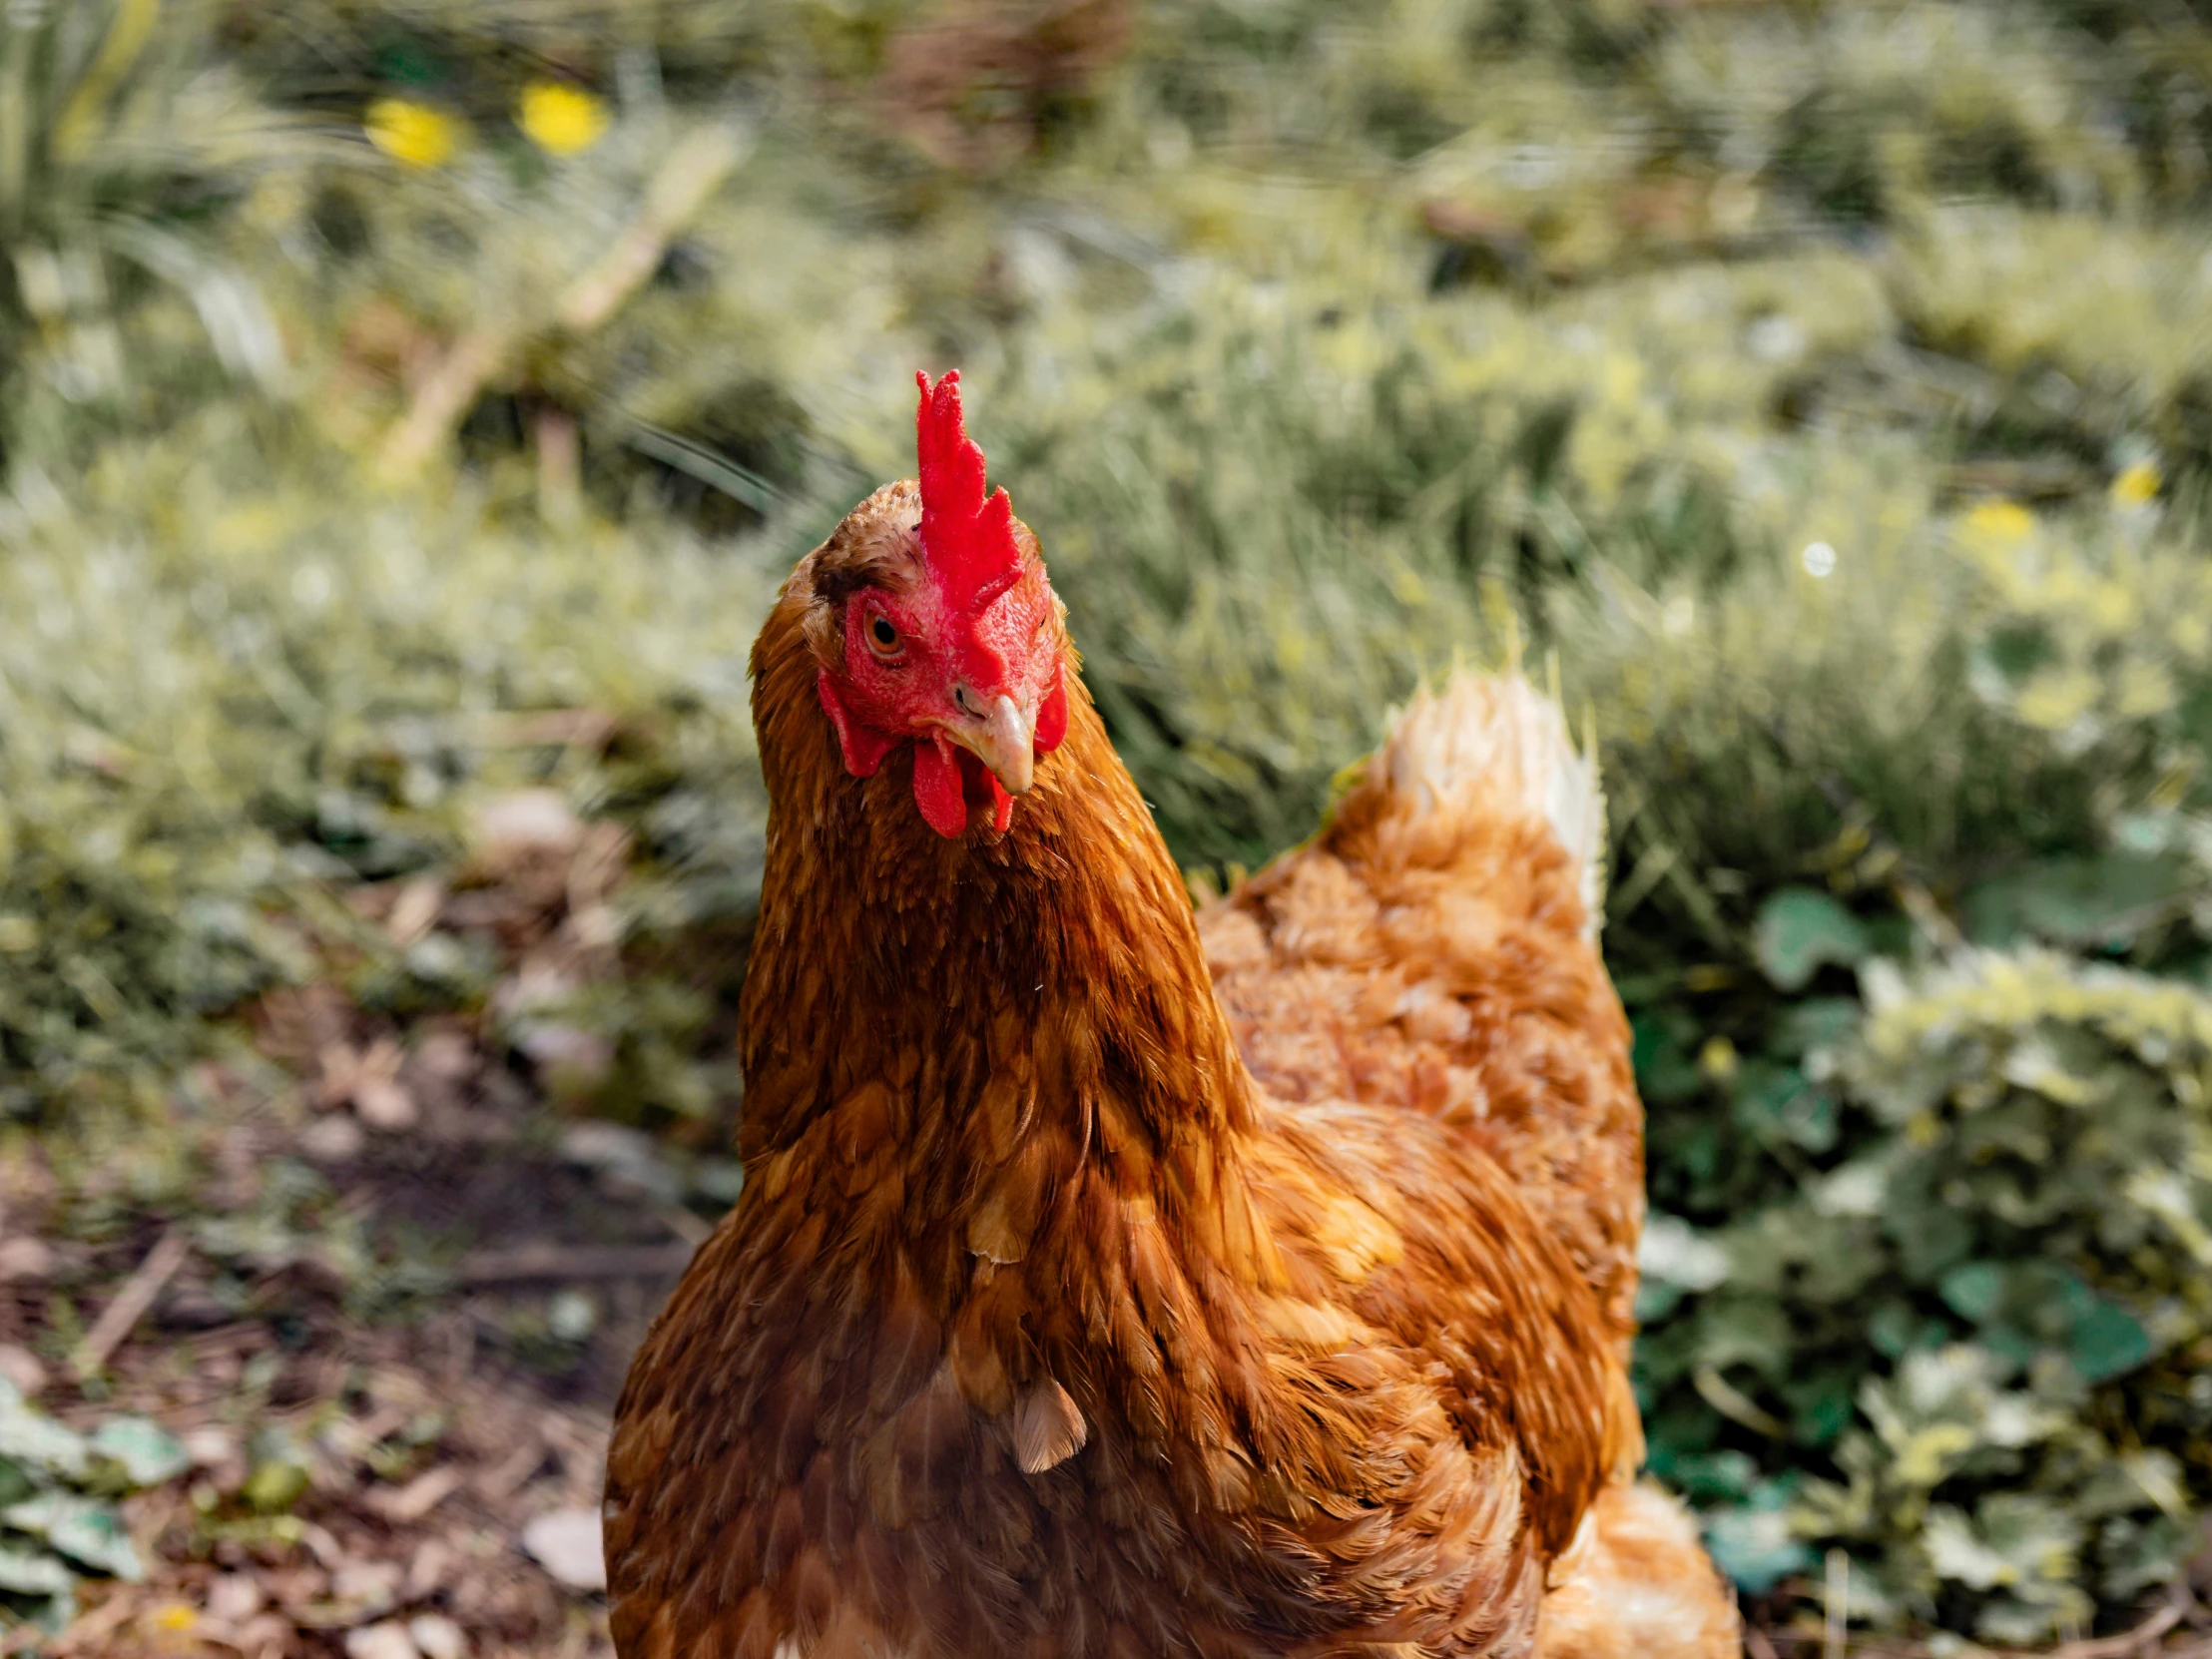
x,y
1112,1280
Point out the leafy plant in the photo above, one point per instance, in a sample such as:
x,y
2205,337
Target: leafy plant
x,y
2004,1279
57,1518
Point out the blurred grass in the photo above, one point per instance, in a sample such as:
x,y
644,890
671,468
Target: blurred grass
x,y
1828,384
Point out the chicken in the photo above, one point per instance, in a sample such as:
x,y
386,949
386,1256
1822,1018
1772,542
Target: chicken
x,y
1115,1280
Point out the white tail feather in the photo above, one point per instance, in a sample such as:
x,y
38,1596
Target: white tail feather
x,y
1497,735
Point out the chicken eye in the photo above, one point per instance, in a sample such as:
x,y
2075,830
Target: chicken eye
x,y
883,636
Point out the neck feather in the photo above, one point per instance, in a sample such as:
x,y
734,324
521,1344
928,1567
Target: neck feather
x,y
979,993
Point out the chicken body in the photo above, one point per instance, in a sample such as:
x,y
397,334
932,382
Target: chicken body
x,y
1074,1309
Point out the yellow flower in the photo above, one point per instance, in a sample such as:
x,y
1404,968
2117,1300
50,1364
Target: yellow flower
x,y
2000,523
561,119
2056,698
2136,486
174,1617
1717,1059
413,134
2192,633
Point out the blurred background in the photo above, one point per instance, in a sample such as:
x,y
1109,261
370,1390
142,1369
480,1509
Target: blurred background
x,y
407,408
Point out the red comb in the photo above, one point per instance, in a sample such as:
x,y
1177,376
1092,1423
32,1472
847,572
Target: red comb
x,y
966,541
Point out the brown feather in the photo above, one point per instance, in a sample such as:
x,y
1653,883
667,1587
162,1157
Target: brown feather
x,y
1048,1429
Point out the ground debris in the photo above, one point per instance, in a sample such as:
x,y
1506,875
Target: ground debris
x,y
566,1544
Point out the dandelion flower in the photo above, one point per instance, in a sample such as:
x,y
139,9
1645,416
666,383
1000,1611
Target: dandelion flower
x,y
559,119
412,134
2000,523
2136,486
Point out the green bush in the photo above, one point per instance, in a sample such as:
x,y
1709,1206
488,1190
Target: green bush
x,y
2005,1278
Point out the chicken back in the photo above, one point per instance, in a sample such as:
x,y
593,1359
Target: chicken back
x,y
1113,1281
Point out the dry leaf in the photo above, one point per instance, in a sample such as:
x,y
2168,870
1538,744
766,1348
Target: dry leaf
x,y
418,1496
415,910
385,1104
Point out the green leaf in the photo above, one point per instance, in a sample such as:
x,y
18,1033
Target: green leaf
x,y
2078,901
1800,931
2014,1540
16,1484
1816,1022
1931,1238
1734,1329
1672,1252
1665,1069
1893,1328
1714,1474
95,1537
279,1470
31,1438
1821,1403
1655,1300
56,1612
1755,1547
149,1453
1974,1291
2107,1340
1775,1103
22,1573
87,1531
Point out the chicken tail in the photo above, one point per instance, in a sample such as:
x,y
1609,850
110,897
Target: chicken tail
x,y
1492,734
1436,947
1637,1585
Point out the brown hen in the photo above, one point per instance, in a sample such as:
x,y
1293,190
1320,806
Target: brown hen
x,y
1113,1281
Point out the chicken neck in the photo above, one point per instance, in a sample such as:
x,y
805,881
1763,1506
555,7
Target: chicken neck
x,y
975,1023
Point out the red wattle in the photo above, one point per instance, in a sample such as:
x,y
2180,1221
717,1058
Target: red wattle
x,y
1052,713
938,790
1002,805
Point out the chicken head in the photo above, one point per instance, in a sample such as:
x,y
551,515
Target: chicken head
x,y
941,629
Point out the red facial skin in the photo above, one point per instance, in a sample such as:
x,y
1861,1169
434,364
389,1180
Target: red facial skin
x,y
932,661
915,689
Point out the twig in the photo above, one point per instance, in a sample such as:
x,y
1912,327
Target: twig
x,y
2128,1643
419,1497
691,172
1836,1606
1927,915
503,1267
499,1484
1732,1403
443,397
129,1307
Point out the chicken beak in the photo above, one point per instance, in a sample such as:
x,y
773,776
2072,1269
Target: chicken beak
x,y
1005,739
